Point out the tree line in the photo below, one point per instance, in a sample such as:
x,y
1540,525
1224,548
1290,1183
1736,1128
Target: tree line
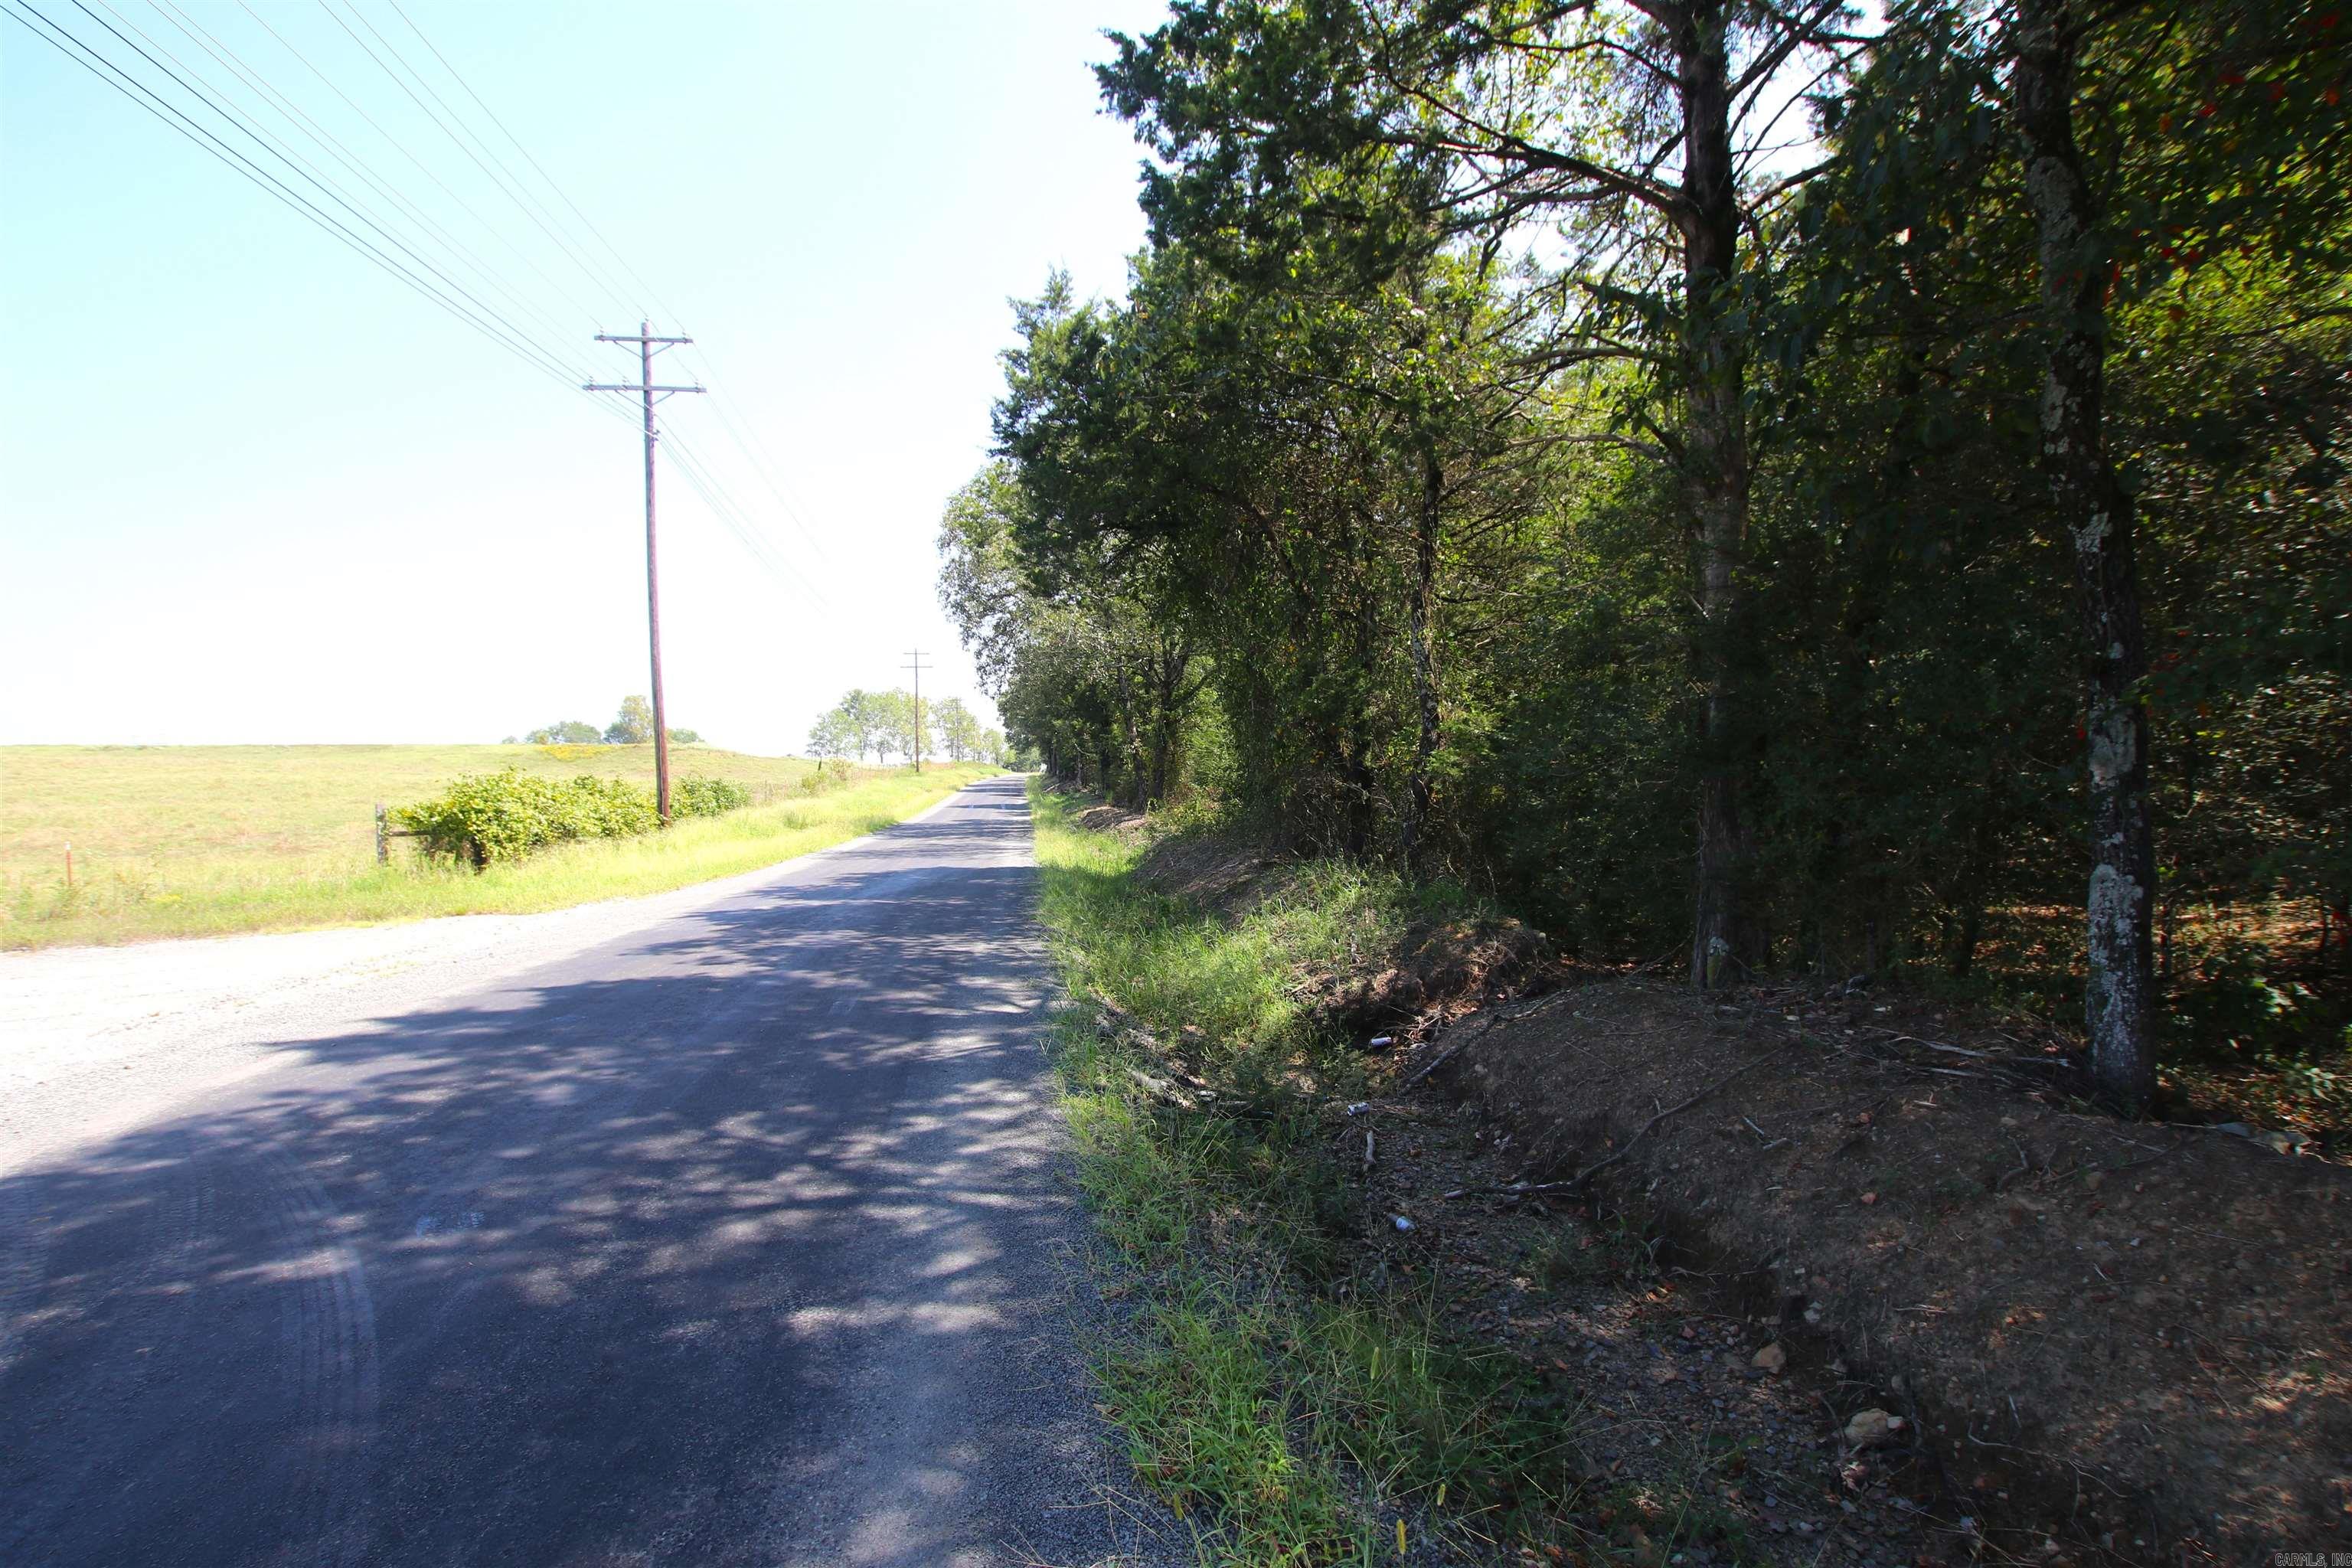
x,y
633,726
883,724
1712,477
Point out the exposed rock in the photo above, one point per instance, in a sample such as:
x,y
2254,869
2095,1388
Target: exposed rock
x,y
1871,1427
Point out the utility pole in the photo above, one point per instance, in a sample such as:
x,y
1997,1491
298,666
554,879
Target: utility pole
x,y
647,346
916,665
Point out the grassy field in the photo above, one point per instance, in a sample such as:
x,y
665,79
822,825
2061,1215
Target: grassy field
x,y
199,841
1291,1410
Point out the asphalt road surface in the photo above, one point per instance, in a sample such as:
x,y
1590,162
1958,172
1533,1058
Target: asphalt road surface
x,y
739,1232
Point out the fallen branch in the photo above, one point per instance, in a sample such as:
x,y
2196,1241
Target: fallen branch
x,y
1518,1189
1163,1089
1594,1169
1447,1055
2148,1160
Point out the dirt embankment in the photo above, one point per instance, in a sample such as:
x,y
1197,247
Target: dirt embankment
x,y
1847,1278
2131,1339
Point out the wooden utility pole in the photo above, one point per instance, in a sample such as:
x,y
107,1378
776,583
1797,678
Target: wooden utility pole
x,y
916,664
647,346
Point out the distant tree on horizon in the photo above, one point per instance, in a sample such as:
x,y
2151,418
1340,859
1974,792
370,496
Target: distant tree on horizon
x,y
881,722
633,726
956,728
904,725
834,734
569,733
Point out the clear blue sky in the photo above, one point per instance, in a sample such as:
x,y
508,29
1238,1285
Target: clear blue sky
x,y
258,491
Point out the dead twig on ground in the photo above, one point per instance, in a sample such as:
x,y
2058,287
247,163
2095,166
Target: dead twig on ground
x,y
1448,1053
1522,1189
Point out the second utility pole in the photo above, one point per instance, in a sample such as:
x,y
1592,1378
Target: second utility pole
x,y
918,668
647,342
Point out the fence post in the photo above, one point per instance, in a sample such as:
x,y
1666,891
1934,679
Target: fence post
x,y
383,837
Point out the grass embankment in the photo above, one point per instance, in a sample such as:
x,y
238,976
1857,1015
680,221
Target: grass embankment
x,y
1295,1406
201,841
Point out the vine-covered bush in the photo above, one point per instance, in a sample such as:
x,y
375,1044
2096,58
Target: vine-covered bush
x,y
506,815
612,808
707,797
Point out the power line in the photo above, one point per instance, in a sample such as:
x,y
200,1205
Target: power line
x,y
751,543
762,462
335,147
736,519
402,147
240,121
602,279
489,319
534,162
495,178
720,404
131,89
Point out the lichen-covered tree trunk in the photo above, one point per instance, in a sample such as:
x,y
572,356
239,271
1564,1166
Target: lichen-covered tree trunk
x,y
1725,939
2096,514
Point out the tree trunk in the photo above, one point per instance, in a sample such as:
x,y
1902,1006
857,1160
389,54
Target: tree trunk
x,y
1725,941
1170,700
1425,680
1138,767
1967,928
2098,516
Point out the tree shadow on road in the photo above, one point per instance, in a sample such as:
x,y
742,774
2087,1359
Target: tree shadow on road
x,y
734,1241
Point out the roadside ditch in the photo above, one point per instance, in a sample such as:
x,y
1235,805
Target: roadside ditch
x,y
1436,1250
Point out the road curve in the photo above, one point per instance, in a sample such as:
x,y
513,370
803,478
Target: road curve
x,y
742,1237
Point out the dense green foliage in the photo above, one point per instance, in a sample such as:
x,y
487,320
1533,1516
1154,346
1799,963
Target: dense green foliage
x,y
504,815
1472,477
485,818
694,797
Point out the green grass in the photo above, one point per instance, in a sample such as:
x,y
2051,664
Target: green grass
x,y
202,840
1292,1408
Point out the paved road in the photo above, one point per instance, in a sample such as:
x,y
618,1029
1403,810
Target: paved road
x,y
743,1236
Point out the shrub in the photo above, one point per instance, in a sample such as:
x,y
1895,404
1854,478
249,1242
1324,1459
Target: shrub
x,y
506,815
612,808
707,797
829,774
